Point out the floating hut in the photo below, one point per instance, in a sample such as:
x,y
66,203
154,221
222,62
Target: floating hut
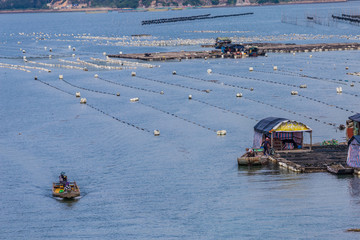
x,y
285,134
353,157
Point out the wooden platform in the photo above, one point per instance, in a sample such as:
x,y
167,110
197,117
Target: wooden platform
x,y
315,160
263,48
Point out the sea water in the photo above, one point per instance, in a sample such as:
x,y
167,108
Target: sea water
x,y
185,183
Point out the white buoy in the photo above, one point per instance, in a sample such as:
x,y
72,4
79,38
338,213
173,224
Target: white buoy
x,y
339,89
120,52
251,69
310,56
77,94
174,72
83,100
133,74
303,86
73,55
50,56
61,76
69,46
239,95
45,48
104,53
134,99
96,76
209,71
190,96
275,68
156,132
221,132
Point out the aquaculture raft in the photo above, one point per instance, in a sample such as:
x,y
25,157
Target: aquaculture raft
x,y
315,160
262,48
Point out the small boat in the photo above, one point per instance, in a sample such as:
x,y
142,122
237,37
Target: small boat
x,y
339,169
71,191
255,157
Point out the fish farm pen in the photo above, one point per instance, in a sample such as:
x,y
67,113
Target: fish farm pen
x,y
262,47
315,160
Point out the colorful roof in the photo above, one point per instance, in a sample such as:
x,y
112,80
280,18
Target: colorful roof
x,y
273,124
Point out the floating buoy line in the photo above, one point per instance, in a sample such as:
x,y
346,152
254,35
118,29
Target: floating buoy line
x,y
224,109
118,119
215,82
99,66
327,104
128,86
290,111
88,89
172,84
128,64
97,109
337,81
177,116
22,67
257,79
56,65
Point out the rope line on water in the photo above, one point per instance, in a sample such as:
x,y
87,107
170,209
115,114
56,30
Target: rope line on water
x,y
87,89
118,119
330,105
289,73
171,84
224,109
257,79
177,116
215,82
128,86
97,109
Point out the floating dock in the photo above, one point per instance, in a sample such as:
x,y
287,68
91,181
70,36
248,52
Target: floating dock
x,y
315,160
263,48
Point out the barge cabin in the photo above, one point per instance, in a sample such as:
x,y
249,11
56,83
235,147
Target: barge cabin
x,y
285,134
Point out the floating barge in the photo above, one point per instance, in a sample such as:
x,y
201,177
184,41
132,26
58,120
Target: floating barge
x,y
262,47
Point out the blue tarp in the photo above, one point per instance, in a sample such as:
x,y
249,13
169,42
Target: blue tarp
x,y
355,117
265,125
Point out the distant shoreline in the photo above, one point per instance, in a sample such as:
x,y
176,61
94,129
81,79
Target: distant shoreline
x,y
104,9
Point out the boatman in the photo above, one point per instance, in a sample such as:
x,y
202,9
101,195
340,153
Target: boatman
x,y
63,178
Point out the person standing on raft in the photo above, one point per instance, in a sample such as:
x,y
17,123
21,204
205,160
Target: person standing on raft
x,y
266,145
